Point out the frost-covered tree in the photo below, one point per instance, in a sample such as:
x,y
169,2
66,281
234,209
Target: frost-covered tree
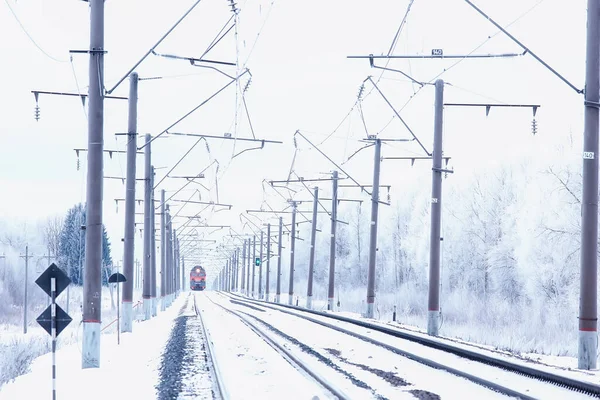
x,y
71,254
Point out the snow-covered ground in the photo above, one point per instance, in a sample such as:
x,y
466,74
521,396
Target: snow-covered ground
x,y
556,364
19,349
127,371
167,357
354,354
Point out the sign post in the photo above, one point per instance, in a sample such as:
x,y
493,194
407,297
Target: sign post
x,y
118,277
54,319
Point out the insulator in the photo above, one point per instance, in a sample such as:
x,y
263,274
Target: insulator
x,y
78,163
534,126
37,113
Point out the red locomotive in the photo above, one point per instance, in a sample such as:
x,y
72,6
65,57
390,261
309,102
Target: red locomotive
x,y
197,278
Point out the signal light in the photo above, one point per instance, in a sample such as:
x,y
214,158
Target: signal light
x,y
257,261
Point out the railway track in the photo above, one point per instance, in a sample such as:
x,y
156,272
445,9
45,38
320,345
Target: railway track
x,y
376,368
297,363
219,389
384,334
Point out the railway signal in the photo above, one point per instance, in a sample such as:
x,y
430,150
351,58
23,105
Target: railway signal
x,y
54,319
257,261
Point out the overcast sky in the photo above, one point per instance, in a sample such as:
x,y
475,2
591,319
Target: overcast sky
x,y
301,80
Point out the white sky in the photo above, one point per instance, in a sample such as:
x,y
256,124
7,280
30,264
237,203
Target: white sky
x,y
301,80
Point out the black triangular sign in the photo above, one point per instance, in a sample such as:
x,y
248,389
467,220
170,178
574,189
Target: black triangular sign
x,y
62,319
116,278
62,280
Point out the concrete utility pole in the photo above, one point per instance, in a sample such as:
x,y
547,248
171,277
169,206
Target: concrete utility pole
x,y
26,257
171,262
253,261
227,276
260,291
92,278
129,235
168,256
588,313
248,271
163,253
148,231
153,245
331,291
311,261
236,257
278,294
183,275
433,318
373,235
292,255
268,261
175,264
244,267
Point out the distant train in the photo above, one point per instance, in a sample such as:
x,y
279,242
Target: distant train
x,y
197,278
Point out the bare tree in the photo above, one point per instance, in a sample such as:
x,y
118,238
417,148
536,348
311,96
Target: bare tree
x,y
51,231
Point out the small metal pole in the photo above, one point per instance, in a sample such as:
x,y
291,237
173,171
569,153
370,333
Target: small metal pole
x,y
311,262
53,330
268,261
278,294
331,291
292,255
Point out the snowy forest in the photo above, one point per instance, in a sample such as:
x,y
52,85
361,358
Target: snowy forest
x,y
510,255
57,239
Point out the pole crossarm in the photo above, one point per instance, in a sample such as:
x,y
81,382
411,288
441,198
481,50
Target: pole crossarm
x,y
488,106
283,211
107,151
193,60
36,93
441,56
212,203
227,136
303,180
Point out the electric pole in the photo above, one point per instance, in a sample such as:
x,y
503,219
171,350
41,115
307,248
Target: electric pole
x,y
92,280
278,294
311,261
26,257
248,271
373,233
244,267
152,245
292,255
148,231
260,291
175,265
268,261
129,236
331,289
253,261
167,255
588,313
163,253
433,319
